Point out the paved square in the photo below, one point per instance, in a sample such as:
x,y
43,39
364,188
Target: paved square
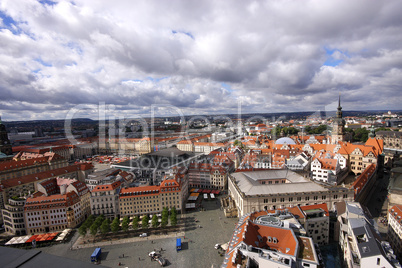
x,y
198,245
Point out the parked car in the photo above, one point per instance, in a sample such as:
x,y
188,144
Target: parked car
x,y
143,235
161,261
217,246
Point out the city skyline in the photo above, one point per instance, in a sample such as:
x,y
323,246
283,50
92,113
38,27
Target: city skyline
x,y
198,58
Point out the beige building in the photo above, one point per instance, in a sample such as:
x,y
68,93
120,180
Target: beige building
x,y
13,216
274,189
395,230
151,199
25,185
105,200
52,213
392,139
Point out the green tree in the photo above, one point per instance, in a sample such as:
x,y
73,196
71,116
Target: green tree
x,y
125,224
165,217
93,229
135,222
173,219
105,226
82,230
115,226
360,134
145,221
155,222
173,211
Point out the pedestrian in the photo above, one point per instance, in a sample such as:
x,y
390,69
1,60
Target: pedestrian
x,y
123,255
139,258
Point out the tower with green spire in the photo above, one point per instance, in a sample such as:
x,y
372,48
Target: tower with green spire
x,y
338,125
5,145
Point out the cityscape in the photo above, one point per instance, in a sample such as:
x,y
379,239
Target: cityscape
x,y
200,134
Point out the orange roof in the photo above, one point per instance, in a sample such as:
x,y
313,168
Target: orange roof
x,y
15,164
67,199
362,179
139,191
43,175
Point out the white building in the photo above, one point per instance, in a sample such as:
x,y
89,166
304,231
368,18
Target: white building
x,y
395,229
105,200
327,166
358,239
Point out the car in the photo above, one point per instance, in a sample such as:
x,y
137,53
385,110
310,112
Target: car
x,y
217,246
161,261
143,235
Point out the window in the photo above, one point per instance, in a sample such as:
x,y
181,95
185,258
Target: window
x,y
282,199
315,197
273,200
307,198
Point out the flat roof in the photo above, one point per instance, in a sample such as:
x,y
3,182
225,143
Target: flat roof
x,y
248,182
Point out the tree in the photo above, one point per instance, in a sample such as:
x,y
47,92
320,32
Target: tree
x,y
93,229
125,224
173,219
145,221
135,222
165,217
361,134
82,230
173,211
105,227
115,226
155,222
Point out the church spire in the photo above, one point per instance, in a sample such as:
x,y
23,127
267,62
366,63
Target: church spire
x,y
339,112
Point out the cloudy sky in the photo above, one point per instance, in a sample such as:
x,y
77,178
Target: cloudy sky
x,y
197,57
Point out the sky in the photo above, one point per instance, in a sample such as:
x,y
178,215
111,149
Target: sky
x,y
63,59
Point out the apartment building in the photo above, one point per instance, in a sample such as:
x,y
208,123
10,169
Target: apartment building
x,y
13,216
392,139
395,230
327,166
208,175
151,199
25,185
261,239
360,243
44,214
105,200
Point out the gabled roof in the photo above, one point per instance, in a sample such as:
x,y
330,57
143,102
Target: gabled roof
x,y
107,187
44,175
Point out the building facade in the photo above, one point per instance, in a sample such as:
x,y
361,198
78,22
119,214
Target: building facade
x,y
395,230
44,214
105,200
274,189
13,216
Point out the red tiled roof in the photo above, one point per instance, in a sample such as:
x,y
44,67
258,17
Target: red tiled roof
x,y
41,175
363,178
15,164
107,187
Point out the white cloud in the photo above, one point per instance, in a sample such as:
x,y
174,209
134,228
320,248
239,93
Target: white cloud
x,y
271,53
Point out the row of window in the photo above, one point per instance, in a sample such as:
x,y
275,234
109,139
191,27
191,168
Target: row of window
x,y
299,198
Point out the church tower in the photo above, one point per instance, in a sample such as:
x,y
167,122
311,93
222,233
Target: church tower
x,y
338,125
5,146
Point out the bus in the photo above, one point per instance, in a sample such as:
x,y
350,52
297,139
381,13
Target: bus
x,y
95,257
178,244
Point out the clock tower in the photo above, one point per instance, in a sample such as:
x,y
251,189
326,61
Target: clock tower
x,y
338,125
5,145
